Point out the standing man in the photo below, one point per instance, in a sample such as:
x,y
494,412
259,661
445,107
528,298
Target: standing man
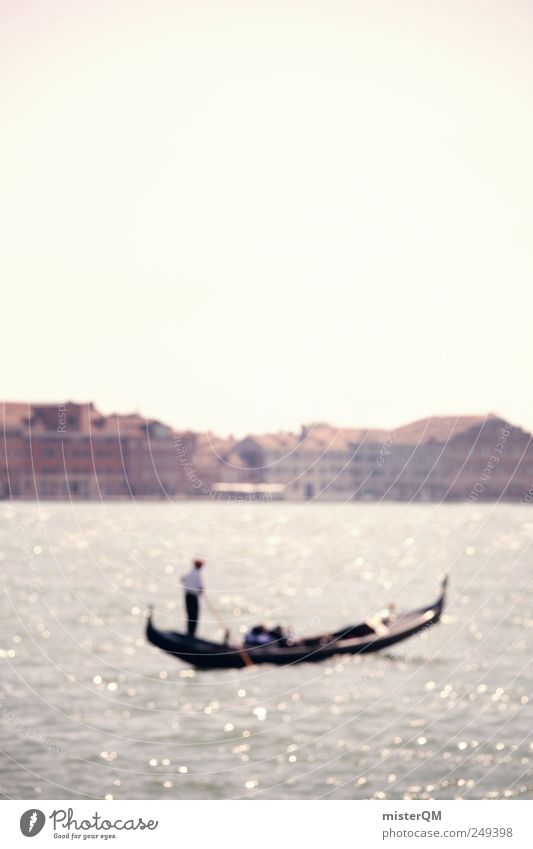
x,y
193,586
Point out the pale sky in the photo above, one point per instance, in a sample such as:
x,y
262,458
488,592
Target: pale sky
x,y
247,215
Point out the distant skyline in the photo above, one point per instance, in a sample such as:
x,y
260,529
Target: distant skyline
x,y
242,216
239,433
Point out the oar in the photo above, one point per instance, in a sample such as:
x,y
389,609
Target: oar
x,y
247,660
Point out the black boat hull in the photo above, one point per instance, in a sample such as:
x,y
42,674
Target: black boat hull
x,y
204,654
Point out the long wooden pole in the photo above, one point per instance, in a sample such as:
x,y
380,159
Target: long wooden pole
x,y
247,660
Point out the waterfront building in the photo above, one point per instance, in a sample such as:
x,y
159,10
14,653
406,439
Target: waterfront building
x,y
71,451
443,458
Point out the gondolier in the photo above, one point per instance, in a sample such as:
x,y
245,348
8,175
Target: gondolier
x,y
194,587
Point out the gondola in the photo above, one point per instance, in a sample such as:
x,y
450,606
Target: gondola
x,y
351,640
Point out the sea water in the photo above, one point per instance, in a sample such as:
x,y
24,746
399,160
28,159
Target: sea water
x,y
88,709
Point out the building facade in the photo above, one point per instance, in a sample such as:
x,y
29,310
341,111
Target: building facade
x,y
470,458
71,451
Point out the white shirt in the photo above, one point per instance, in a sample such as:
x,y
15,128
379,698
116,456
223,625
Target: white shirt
x,y
192,582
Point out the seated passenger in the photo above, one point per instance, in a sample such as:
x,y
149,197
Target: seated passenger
x,y
278,636
257,636
382,620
